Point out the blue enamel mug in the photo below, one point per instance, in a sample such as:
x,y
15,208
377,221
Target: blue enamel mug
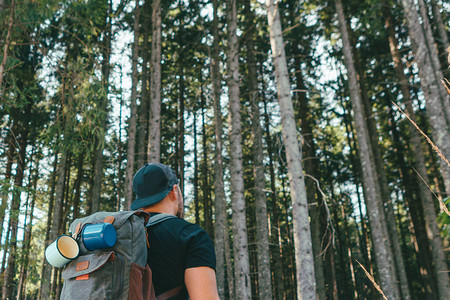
x,y
98,236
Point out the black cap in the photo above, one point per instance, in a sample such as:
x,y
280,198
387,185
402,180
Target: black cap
x,y
152,183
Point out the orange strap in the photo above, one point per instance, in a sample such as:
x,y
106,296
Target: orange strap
x,y
83,277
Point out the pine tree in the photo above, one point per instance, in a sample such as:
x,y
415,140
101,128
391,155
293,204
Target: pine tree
x,y
372,194
306,286
154,137
240,244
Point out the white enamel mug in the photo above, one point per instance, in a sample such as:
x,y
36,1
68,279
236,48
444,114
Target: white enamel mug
x,y
62,251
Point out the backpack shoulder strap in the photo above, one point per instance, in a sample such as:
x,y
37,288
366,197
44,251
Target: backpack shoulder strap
x,y
156,219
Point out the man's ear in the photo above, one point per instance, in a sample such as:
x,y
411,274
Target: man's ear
x,y
173,193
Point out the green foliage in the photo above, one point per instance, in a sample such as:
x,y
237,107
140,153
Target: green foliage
x,y
444,221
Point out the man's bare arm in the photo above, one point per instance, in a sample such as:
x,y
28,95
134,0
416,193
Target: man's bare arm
x,y
201,283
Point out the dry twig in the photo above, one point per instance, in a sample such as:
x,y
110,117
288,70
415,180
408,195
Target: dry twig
x,y
377,287
324,197
444,207
446,84
435,148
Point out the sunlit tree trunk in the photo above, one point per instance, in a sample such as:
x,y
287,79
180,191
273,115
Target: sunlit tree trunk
x,y
240,243
306,284
154,138
129,171
384,256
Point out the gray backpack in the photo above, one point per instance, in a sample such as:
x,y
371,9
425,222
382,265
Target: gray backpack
x,y
119,272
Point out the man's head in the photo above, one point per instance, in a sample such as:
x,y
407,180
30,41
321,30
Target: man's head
x,y
153,183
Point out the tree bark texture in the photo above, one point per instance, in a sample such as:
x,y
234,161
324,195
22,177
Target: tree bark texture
x,y
383,253
220,225
438,108
143,112
103,110
426,198
279,274
262,230
311,166
154,138
240,242
129,171
207,208
443,34
306,284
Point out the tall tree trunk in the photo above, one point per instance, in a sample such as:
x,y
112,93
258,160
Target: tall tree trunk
x,y
279,273
385,203
46,268
10,140
220,225
206,195
240,242
414,205
27,234
143,112
443,35
437,250
432,46
442,39
154,137
262,230
438,110
181,129
6,46
383,252
129,173
8,283
306,284
311,165
103,100
56,223
77,186
196,197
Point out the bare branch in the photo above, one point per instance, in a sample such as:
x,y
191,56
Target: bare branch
x,y
444,207
377,287
435,148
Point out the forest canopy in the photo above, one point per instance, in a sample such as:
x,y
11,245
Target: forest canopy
x,y
310,137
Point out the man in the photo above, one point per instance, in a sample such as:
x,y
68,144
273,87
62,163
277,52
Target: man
x,y
181,254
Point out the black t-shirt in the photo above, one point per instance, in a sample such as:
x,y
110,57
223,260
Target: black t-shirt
x,y
177,245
